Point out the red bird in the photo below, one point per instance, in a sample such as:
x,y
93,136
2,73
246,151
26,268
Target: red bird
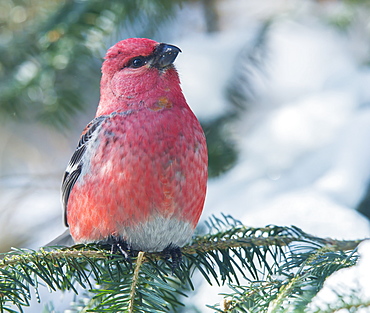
x,y
139,173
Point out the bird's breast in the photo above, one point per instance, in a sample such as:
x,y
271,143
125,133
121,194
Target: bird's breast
x,y
149,165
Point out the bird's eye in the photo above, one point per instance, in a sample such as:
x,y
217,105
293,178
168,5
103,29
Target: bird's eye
x,y
138,62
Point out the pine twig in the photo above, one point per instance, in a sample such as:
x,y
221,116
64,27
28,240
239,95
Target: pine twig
x,y
135,278
22,257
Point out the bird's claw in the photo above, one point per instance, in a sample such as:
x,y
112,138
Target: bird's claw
x,y
118,246
173,252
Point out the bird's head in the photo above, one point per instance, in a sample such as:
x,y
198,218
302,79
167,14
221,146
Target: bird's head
x,y
135,55
135,68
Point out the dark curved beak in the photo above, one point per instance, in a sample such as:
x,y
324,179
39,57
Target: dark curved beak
x,y
164,55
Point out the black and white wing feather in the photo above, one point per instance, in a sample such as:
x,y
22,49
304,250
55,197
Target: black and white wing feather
x,y
75,165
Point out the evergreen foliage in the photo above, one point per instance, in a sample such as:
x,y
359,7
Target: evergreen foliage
x,y
270,269
40,68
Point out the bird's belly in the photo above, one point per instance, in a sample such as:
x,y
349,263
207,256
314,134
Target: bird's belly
x,y
157,234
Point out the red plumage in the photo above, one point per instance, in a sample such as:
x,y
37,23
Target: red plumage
x,y
140,170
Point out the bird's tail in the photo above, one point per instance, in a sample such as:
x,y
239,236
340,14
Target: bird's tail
x,y
64,239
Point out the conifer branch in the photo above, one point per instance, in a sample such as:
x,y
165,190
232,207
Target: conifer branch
x,y
202,244
280,263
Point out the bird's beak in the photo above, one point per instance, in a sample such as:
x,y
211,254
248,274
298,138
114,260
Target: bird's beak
x,y
164,55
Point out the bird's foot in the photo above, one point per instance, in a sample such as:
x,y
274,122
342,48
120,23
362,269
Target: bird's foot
x,y
173,252
118,246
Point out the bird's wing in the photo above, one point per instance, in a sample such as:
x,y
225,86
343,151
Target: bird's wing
x,y
75,165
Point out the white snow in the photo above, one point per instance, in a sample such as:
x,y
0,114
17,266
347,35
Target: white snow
x,y
305,157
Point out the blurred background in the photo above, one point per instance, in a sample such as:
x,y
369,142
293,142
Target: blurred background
x,y
281,87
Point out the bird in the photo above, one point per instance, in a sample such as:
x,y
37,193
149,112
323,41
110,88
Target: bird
x,y
138,177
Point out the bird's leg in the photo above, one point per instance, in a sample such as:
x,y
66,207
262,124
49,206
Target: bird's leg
x,y
118,245
173,252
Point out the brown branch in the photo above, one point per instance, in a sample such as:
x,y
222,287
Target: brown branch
x,y
139,262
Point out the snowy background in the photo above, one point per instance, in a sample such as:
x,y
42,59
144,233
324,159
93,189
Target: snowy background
x,y
303,140
305,148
